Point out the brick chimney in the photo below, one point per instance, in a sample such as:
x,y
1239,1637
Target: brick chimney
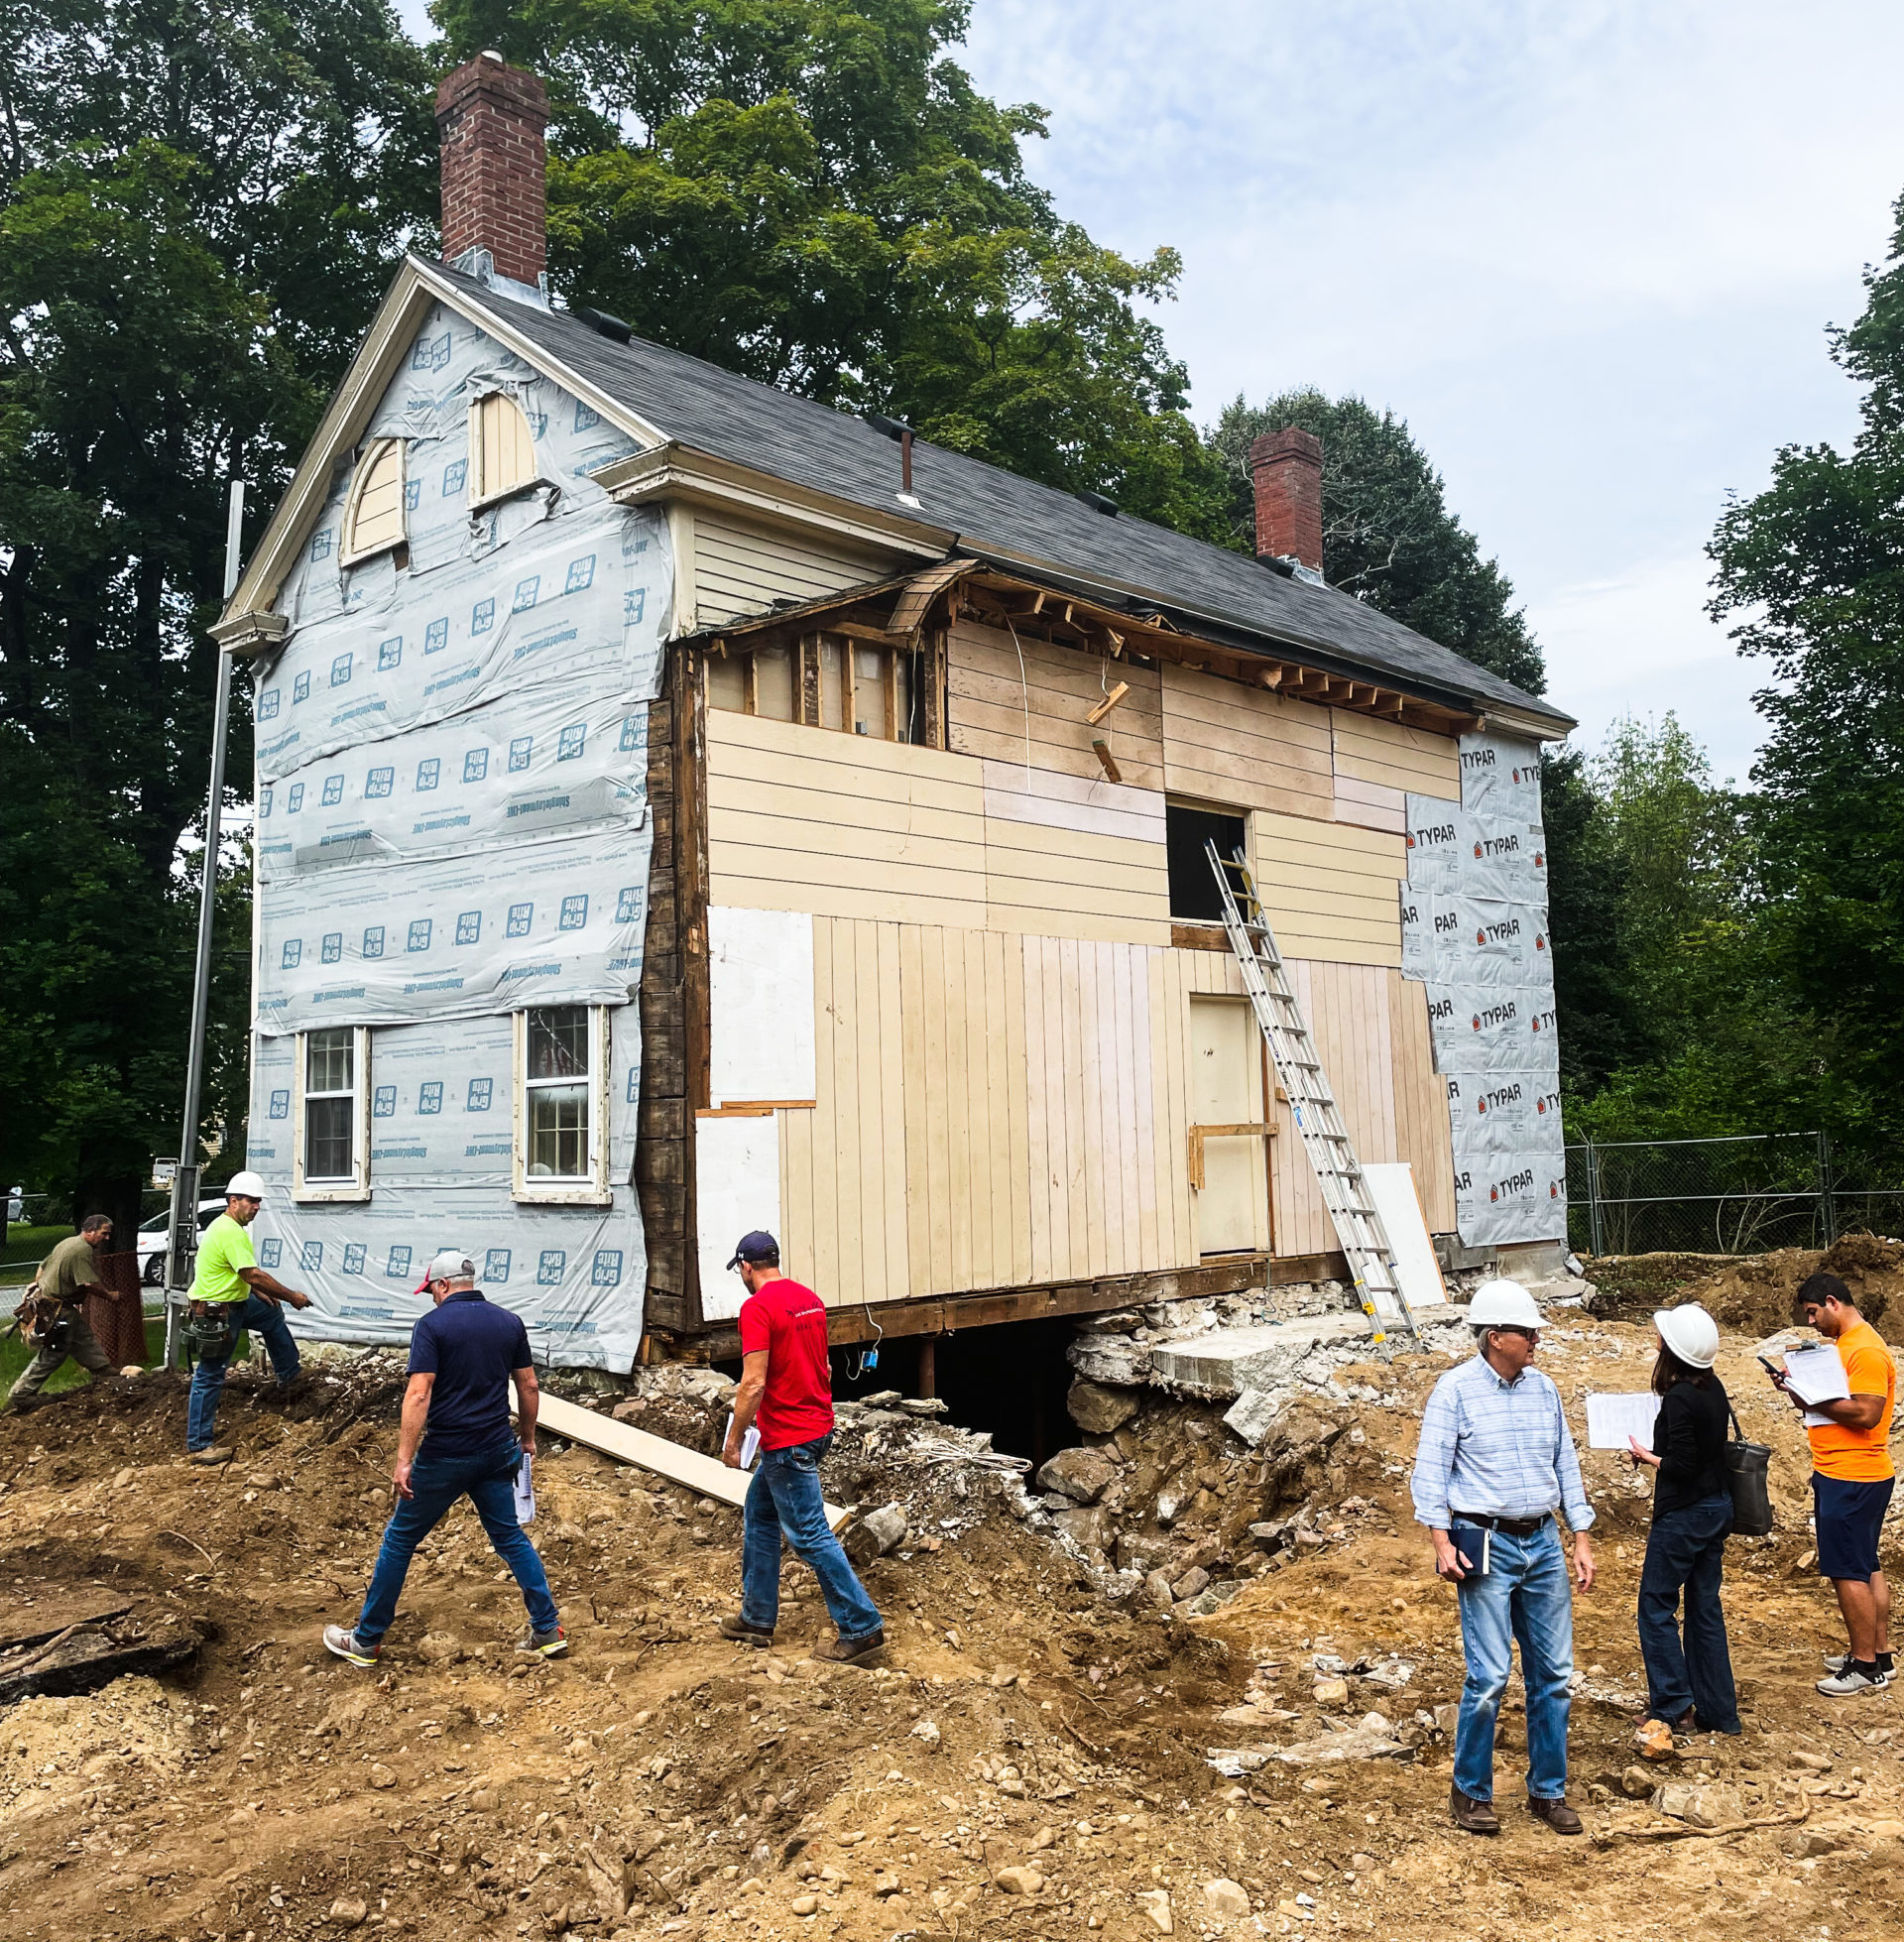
x,y
1285,467
490,119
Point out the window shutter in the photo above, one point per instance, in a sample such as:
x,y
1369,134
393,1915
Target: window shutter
x,y
504,459
377,501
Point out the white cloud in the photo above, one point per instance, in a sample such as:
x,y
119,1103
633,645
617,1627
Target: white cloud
x,y
1640,643
1588,250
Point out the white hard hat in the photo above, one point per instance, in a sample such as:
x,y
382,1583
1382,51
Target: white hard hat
x,y
1690,1332
1502,1303
251,1185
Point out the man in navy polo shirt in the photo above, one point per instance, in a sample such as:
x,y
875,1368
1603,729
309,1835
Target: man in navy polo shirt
x,y
461,1358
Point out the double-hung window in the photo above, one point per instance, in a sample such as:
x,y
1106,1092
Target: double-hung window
x,y
330,1158
561,1117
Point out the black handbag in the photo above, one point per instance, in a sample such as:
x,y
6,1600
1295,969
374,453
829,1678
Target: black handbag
x,y
1746,1468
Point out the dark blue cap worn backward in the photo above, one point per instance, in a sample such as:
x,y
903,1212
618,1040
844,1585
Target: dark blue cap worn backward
x,y
757,1246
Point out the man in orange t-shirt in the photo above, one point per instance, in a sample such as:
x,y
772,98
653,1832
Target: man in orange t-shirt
x,y
1852,1482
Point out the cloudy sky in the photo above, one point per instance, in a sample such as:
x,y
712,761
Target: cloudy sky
x,y
1589,250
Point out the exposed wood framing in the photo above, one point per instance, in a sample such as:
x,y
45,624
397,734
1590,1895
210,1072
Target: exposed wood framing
x,y
911,611
1199,1134
662,1150
688,692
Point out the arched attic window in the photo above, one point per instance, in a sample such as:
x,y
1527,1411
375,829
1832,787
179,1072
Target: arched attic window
x,y
502,452
373,518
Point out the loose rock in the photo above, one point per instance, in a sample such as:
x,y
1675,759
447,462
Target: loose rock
x,y
1019,1880
1079,1474
1226,1900
348,1910
1155,1903
1098,1409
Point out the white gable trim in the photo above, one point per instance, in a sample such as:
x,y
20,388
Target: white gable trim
x,y
415,289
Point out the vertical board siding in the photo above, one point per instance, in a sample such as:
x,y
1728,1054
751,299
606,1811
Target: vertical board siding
x,y
1371,1027
990,1111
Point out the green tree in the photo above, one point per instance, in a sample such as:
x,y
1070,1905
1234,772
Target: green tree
x,y
815,195
1599,1021
1811,571
198,205
1387,535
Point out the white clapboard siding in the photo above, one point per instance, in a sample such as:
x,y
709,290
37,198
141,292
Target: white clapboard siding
x,y
743,569
1244,748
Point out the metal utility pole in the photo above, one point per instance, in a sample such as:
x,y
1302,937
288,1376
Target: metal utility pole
x,y
183,1240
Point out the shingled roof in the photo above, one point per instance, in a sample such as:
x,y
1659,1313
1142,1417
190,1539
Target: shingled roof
x,y
997,515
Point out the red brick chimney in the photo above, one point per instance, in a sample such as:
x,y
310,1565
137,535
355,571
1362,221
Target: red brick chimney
x,y
1285,468
490,119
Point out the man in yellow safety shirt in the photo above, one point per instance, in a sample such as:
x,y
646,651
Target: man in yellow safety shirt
x,y
230,1288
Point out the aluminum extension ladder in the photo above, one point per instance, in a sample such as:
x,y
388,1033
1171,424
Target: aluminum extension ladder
x,y
1325,1136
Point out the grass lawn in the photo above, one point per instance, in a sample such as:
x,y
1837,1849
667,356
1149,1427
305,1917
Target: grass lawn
x,y
30,1246
14,1355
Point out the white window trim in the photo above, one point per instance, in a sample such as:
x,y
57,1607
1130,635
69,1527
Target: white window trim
x,y
593,1191
481,499
365,466
357,1187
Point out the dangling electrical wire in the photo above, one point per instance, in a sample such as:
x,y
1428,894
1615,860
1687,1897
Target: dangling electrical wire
x,y
868,1358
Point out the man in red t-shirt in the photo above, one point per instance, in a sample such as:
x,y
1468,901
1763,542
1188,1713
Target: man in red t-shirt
x,y
786,1391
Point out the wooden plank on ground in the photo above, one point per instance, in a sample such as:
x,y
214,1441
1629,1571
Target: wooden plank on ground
x,y
627,1444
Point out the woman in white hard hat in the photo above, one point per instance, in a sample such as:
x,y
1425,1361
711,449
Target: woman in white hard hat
x,y
1689,1683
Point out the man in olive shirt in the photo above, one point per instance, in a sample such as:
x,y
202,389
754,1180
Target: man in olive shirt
x,y
230,1284
67,1275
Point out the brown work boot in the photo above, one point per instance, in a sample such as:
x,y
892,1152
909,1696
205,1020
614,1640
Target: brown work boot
x,y
1472,1816
1556,1813
743,1633
850,1651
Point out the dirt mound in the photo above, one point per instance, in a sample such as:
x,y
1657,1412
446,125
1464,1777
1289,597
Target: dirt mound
x,y
1754,1293
1029,1760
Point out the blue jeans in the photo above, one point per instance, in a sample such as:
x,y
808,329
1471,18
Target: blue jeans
x,y
488,1480
784,1497
1687,1548
266,1319
1524,1597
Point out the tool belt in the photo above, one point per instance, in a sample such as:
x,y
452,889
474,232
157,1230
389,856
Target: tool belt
x,y
44,1320
207,1330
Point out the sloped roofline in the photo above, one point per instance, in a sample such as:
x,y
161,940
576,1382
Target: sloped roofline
x,y
416,287
248,622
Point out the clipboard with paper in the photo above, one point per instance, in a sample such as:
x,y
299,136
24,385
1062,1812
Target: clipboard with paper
x,y
1614,1416
1816,1375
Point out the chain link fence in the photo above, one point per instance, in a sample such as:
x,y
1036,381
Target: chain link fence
x,y
1730,1196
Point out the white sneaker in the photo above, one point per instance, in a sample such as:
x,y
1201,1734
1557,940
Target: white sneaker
x,y
1843,1685
1836,1663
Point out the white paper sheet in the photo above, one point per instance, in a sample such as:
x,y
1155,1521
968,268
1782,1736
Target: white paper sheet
x,y
525,1489
1817,1374
1613,1418
750,1444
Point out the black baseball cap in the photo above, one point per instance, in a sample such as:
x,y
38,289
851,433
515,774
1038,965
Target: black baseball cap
x,y
756,1247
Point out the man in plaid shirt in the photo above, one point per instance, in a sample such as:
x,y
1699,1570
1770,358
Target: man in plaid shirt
x,y
1495,1463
